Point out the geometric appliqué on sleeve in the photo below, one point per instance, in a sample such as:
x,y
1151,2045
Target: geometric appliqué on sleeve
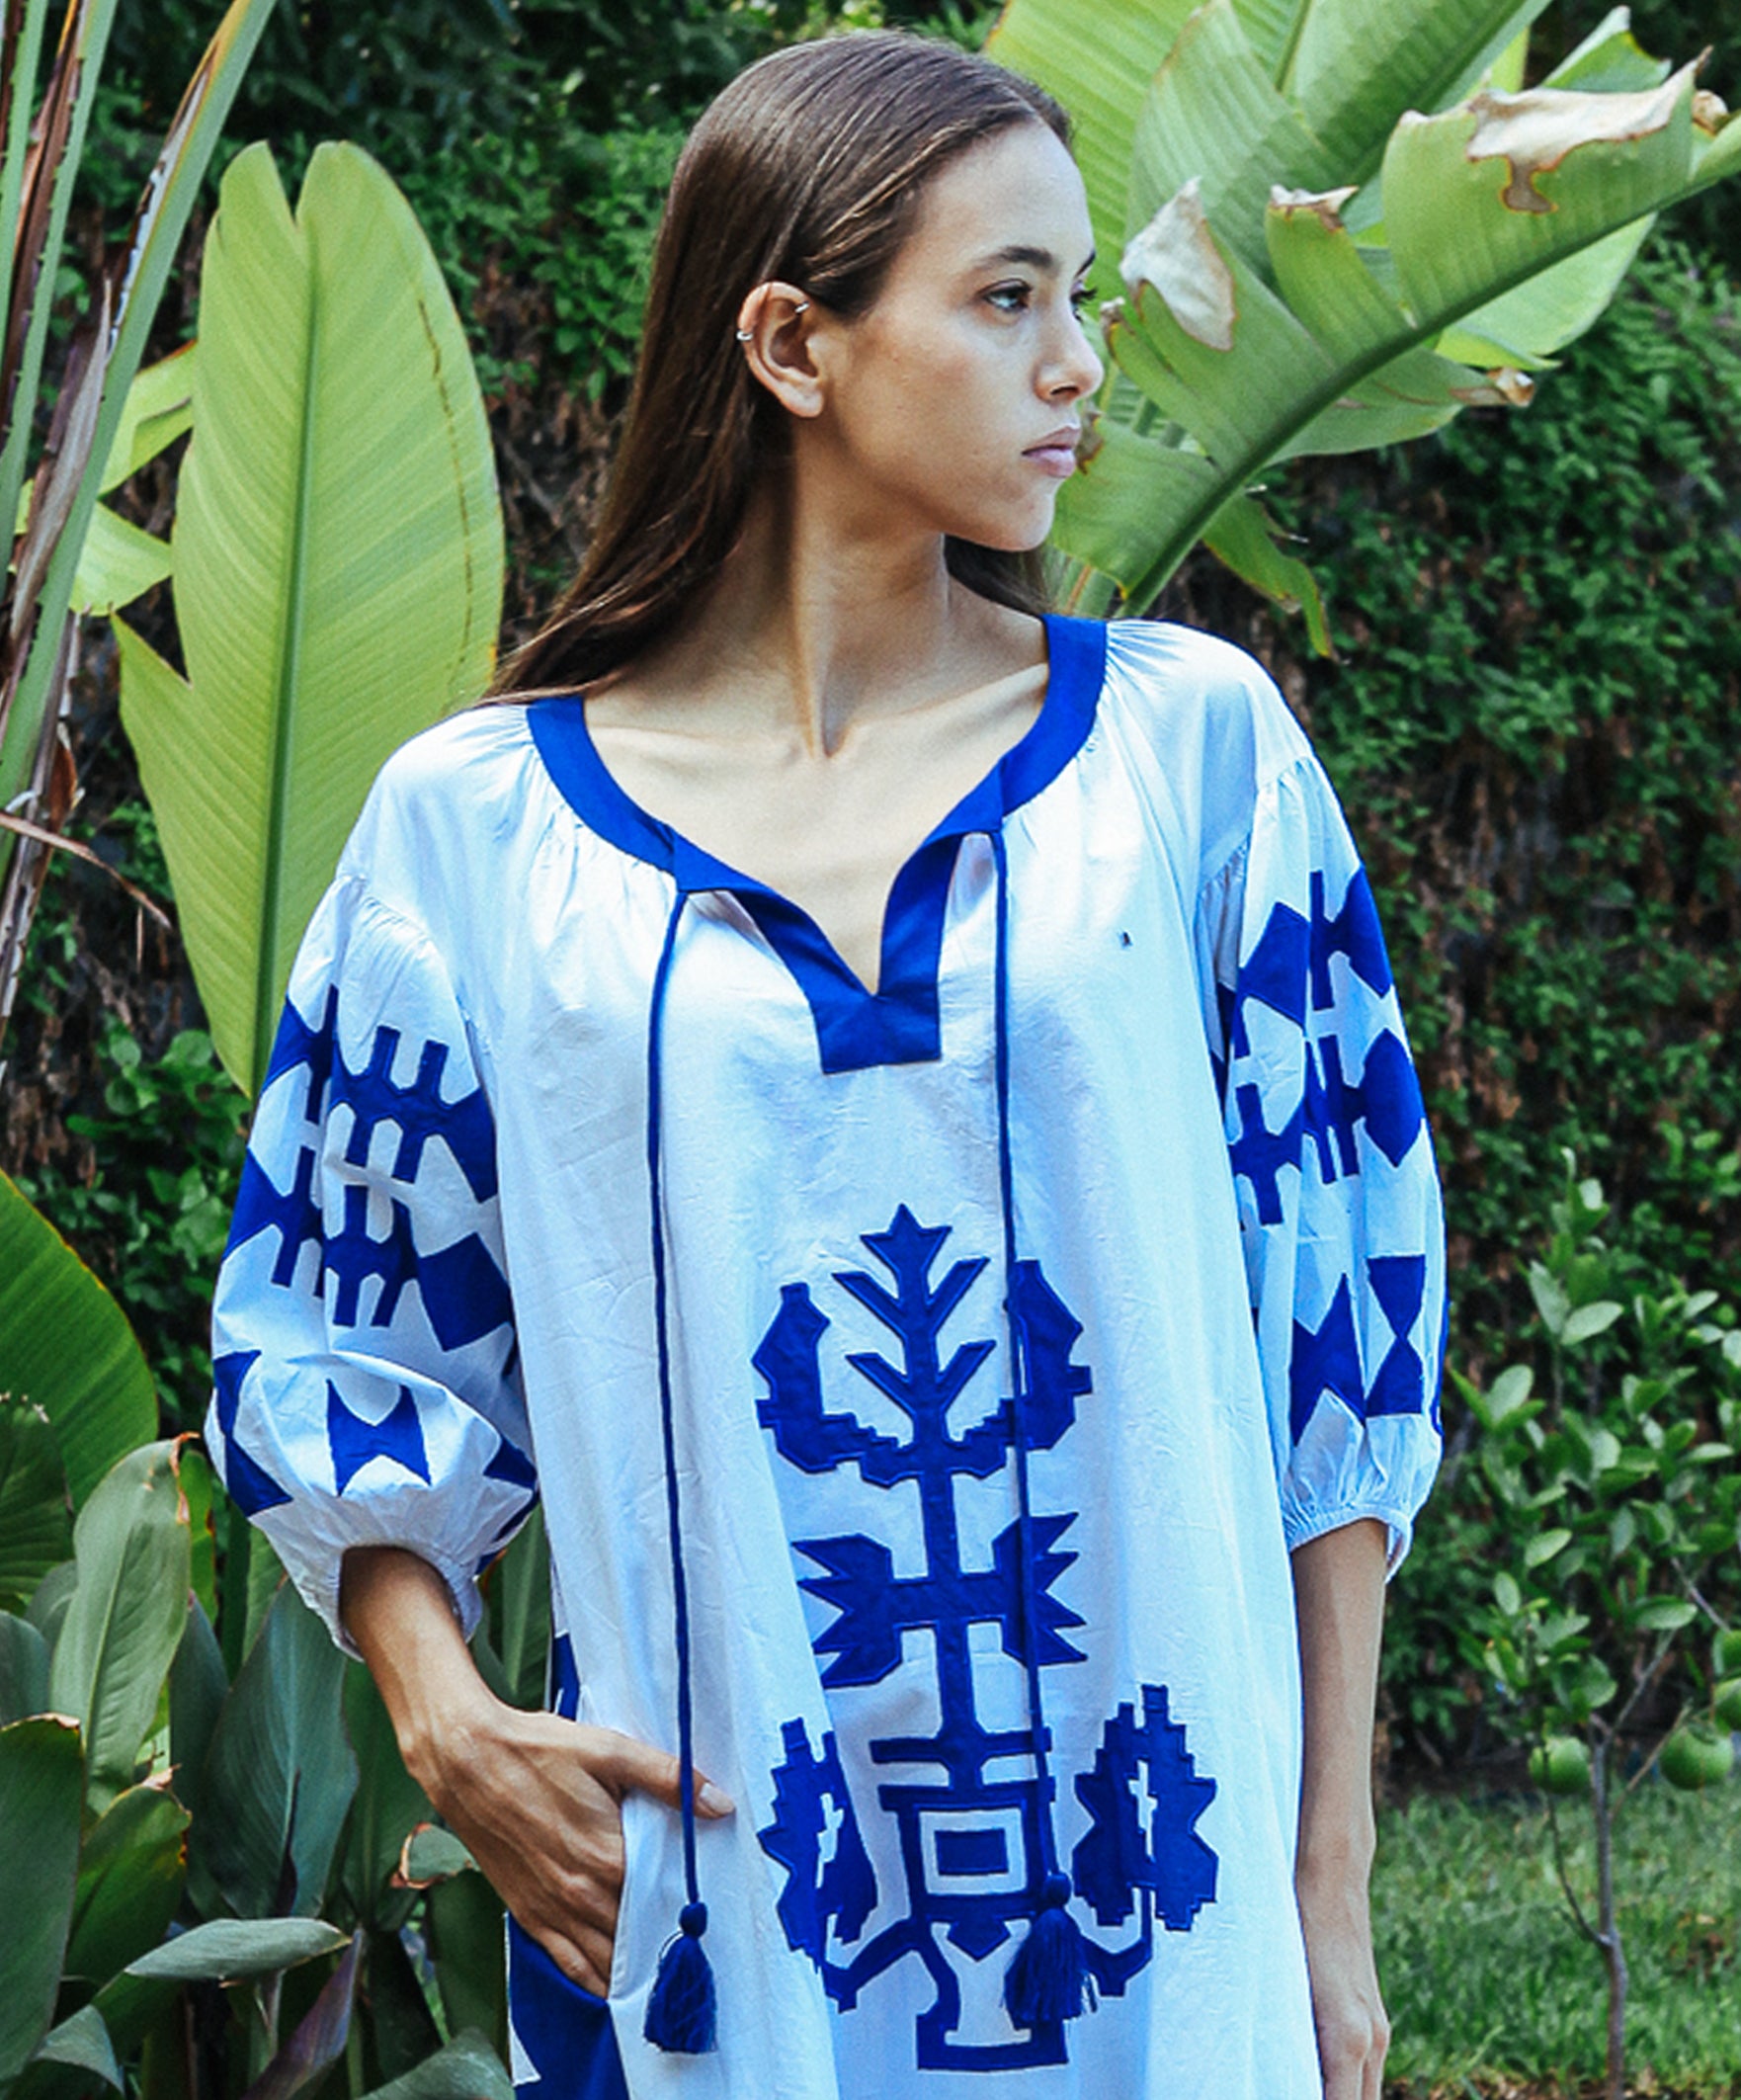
x,y
354,1440
373,1097
251,1488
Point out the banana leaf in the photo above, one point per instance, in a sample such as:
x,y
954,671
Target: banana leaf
x,y
125,1617
1343,222
65,1345
337,557
42,1778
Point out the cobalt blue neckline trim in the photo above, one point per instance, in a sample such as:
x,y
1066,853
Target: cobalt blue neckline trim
x,y
898,1023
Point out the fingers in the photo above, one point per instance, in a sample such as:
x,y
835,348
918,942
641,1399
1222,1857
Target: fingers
x,y
1350,2055
587,1965
656,1772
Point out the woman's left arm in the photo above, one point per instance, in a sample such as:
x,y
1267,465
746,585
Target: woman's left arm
x,y
1339,1592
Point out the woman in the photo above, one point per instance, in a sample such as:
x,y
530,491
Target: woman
x,y
887,1109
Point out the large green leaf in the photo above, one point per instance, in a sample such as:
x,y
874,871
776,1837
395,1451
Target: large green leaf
x,y
42,1778
1097,60
225,1949
1132,500
1275,308
65,1344
401,2031
1486,196
36,1526
131,1875
520,1611
467,2069
65,1347
388,1805
1359,64
464,1930
230,1950
53,1598
1214,116
338,564
280,1773
125,1617
24,1669
1241,535
197,1688
80,2043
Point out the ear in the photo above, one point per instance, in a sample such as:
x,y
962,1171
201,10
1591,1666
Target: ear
x,y
773,326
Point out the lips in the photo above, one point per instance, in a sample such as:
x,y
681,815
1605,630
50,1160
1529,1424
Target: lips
x,y
1065,439
1056,453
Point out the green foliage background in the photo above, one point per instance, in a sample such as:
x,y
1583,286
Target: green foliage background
x,y
1532,718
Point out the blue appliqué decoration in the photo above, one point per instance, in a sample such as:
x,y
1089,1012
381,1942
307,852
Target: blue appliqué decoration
x,y
830,1888
1354,932
1142,1853
464,1292
251,1488
1386,1100
371,1094
1399,1284
354,1439
293,1213
969,1842
1327,1358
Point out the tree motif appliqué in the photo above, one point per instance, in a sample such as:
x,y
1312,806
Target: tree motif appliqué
x,y
969,1841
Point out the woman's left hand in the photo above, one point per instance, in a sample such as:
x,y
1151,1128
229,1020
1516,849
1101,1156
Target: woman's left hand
x,y
1348,2009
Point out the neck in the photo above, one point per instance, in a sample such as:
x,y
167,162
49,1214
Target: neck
x,y
825,620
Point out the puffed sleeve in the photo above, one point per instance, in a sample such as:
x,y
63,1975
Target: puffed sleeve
x,y
366,1388
1338,1193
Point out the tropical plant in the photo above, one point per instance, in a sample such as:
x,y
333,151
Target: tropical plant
x,y
1311,264
337,564
1619,1492
94,437
165,1828
67,1353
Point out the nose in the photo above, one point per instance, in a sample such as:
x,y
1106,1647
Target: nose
x,y
1078,367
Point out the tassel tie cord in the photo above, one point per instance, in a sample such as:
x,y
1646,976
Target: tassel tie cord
x,y
1047,1978
682,2006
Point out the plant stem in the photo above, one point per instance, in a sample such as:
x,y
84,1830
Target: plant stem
x,y
1609,1937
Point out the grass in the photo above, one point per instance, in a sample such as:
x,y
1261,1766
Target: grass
x,y
1493,1991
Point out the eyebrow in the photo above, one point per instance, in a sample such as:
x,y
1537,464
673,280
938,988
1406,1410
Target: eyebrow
x,y
1037,258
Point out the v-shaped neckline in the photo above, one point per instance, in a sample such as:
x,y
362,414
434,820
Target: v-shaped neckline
x,y
856,1027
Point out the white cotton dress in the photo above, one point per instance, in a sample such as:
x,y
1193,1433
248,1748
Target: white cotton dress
x,y
1017,1321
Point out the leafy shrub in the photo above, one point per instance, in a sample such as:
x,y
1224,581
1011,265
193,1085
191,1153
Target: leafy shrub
x,y
153,1221
1618,1492
1534,726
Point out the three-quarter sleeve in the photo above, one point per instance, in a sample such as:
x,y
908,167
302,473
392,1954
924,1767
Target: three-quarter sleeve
x,y
1337,1189
365,1377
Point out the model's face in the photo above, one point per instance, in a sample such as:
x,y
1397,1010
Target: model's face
x,y
940,400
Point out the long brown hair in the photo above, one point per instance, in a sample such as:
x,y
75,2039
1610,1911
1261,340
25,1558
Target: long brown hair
x,y
807,167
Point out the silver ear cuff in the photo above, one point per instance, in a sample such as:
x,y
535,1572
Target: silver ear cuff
x,y
798,306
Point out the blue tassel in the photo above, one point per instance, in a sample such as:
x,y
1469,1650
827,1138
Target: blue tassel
x,y
682,2010
1047,1978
